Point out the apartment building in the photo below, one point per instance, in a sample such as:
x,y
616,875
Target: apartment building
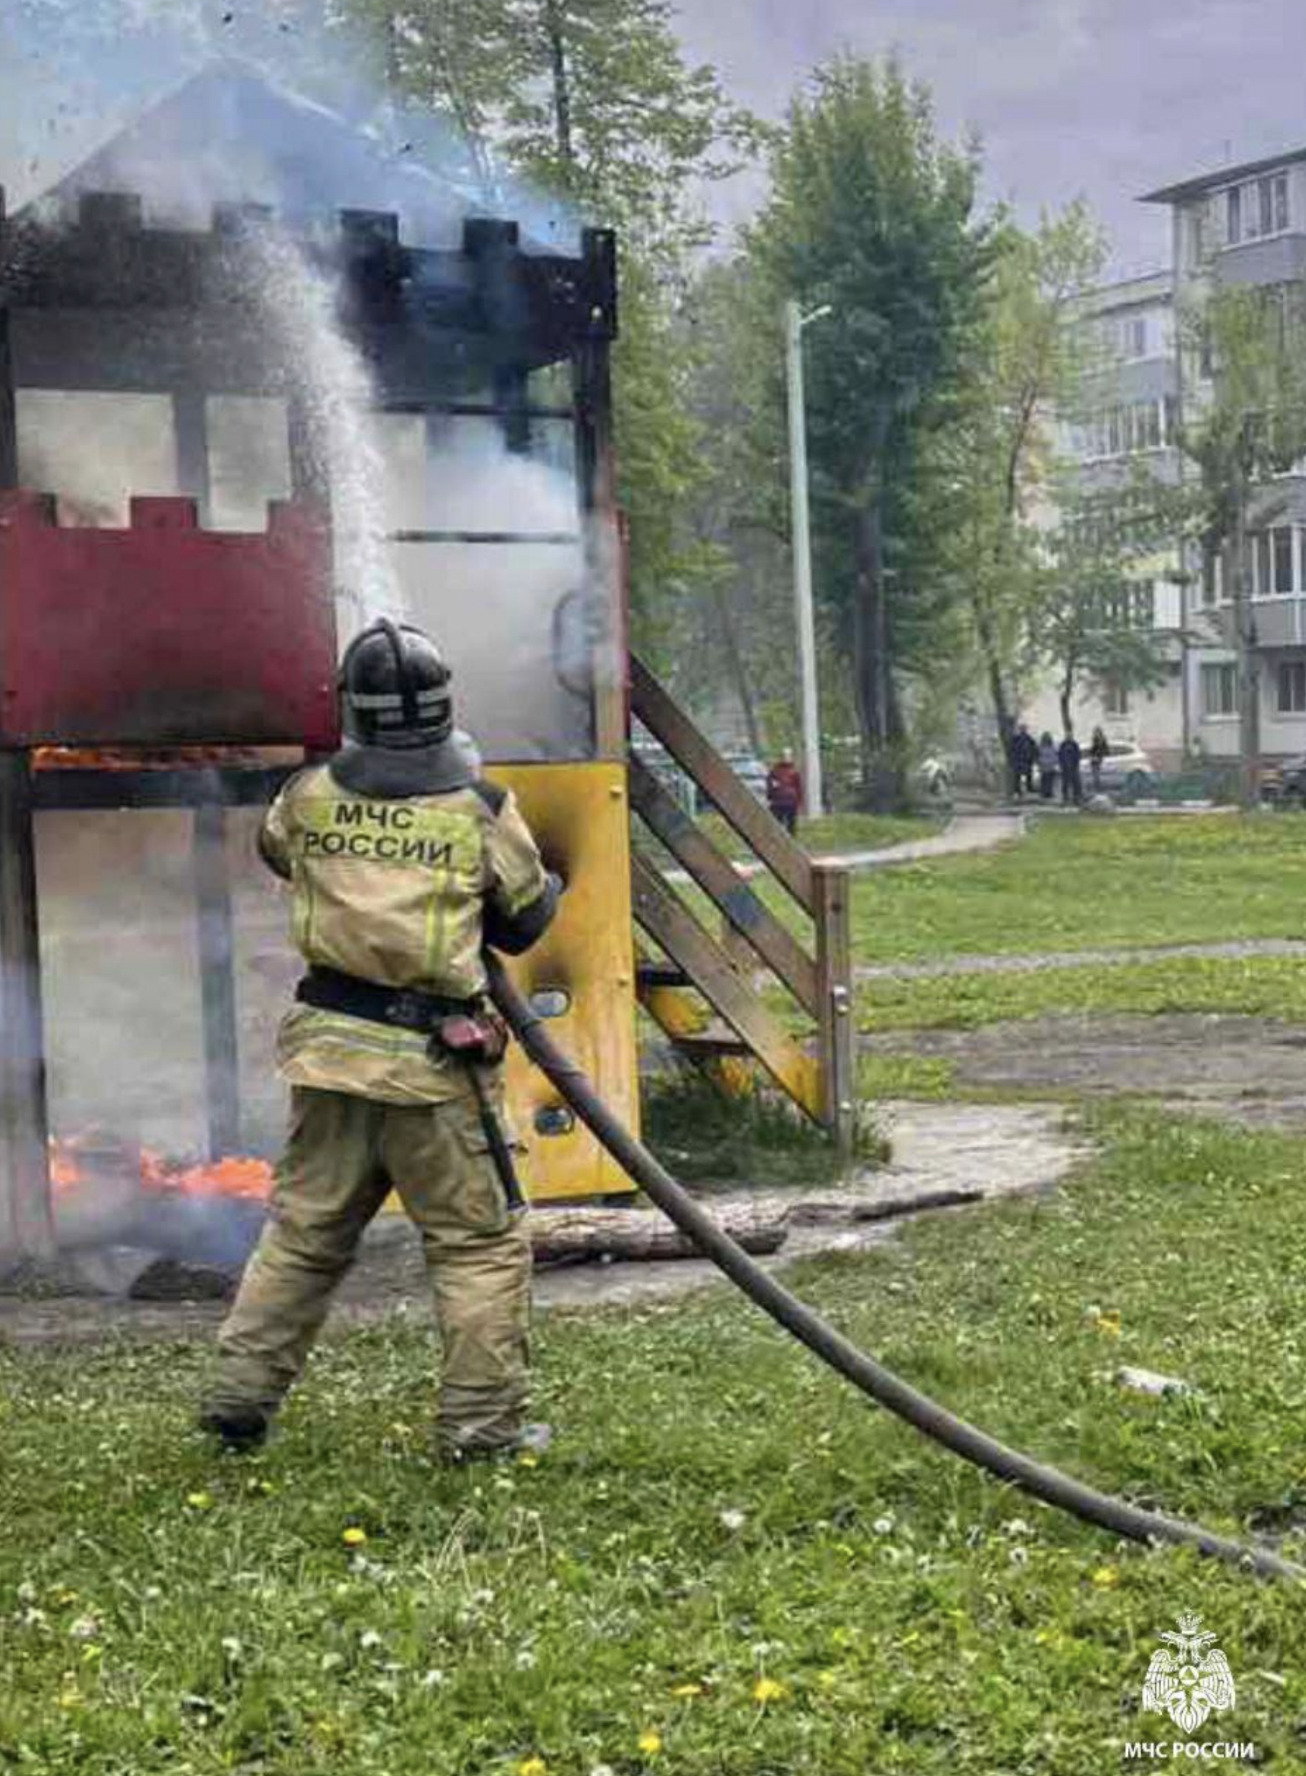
x,y
1243,225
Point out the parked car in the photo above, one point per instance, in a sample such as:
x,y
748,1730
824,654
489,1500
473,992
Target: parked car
x,y
1126,770
750,771
1285,785
668,773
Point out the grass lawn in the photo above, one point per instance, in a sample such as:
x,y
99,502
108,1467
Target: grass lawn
x,y
728,1566
1268,986
1089,883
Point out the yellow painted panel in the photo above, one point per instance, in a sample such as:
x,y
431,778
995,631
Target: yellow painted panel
x,y
580,816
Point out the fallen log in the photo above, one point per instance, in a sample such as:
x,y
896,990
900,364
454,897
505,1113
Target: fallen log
x,y
644,1235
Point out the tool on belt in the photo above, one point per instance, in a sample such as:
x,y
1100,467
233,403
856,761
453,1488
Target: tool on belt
x,y
467,1030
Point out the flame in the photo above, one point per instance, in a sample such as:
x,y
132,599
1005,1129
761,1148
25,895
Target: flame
x,y
235,1175
157,758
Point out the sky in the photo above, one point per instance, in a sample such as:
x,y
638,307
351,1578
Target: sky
x,y
1103,99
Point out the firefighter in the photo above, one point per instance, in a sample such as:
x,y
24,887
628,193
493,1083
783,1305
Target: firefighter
x,y
401,862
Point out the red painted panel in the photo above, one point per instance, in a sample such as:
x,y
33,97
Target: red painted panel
x,y
165,634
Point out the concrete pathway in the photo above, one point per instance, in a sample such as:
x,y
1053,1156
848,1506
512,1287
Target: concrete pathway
x,y
965,832
1235,949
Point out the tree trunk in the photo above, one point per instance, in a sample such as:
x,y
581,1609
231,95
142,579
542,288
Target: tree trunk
x,y
738,670
1003,713
1248,669
554,33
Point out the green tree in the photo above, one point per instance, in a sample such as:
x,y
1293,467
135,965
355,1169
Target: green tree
x,y
593,100
1249,429
1091,610
870,213
992,466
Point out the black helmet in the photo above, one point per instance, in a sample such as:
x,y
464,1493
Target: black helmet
x,y
395,687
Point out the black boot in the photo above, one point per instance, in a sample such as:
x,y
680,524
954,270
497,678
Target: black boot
x,y
240,1431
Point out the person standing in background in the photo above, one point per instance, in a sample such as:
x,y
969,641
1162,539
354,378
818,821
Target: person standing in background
x,y
1024,756
1069,755
1048,762
1098,749
784,790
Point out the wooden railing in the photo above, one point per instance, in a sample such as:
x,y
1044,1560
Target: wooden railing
x,y
720,969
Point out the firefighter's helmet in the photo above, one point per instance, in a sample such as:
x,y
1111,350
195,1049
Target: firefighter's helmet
x,y
394,687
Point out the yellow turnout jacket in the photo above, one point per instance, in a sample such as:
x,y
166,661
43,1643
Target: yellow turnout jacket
x,y
392,891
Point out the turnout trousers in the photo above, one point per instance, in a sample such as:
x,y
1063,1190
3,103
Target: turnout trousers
x,y
342,1158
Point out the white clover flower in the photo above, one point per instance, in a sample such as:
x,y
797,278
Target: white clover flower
x,y
368,1639
883,1526
84,1628
732,1520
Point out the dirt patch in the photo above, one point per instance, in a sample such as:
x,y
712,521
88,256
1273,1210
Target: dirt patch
x,y
1250,1069
942,1153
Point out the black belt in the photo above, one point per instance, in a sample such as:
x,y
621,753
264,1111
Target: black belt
x,y
406,1007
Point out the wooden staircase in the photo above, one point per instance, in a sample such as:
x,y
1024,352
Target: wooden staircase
x,y
700,986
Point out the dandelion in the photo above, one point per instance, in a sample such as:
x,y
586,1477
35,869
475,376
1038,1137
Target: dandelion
x,y
766,1689
354,1537
1106,1576
650,1743
827,1679
685,1690
883,1526
1109,1322
200,1501
532,1766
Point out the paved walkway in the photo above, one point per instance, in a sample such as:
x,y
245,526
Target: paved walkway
x,y
965,832
1235,950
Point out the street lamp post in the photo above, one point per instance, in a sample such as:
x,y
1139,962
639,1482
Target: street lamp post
x,y
795,321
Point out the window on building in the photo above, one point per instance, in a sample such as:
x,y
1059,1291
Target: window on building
x,y
1143,613
1115,698
1219,690
1280,183
1282,547
1256,209
1292,687
1135,340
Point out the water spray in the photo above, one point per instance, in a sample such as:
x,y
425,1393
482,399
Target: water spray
x,y
934,1421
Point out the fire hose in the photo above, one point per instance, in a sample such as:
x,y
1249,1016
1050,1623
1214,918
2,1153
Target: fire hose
x,y
889,1390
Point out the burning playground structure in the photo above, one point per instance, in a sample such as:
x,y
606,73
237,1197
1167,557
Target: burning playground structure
x,y
195,511
258,385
